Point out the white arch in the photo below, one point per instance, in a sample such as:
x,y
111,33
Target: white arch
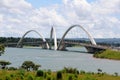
x,y
53,32
89,35
19,42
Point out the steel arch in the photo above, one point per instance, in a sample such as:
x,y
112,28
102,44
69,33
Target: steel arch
x,y
19,42
53,33
89,35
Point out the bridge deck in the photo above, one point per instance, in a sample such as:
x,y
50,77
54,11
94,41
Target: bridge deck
x,y
92,46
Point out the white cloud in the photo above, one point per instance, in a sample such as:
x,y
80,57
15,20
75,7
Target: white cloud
x,y
1,18
101,14
14,4
106,7
100,17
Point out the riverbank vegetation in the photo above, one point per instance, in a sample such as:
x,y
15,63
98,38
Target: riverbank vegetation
x,y
65,74
108,54
2,49
29,71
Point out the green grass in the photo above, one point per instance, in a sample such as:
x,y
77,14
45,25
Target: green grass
x,y
108,54
59,75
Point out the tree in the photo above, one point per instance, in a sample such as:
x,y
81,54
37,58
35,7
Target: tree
x,y
2,49
4,64
99,71
36,67
29,65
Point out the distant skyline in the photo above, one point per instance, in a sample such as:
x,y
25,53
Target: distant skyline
x,y
100,17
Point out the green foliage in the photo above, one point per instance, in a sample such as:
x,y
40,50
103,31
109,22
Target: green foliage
x,y
40,73
12,68
71,70
99,70
30,77
89,78
7,78
48,78
108,54
70,77
4,63
59,75
21,72
82,72
29,65
2,49
36,66
116,74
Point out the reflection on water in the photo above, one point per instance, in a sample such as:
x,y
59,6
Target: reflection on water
x,y
56,60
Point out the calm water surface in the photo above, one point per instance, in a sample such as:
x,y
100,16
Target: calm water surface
x,y
57,60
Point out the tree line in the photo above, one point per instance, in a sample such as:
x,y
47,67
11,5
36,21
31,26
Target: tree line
x,y
5,40
27,65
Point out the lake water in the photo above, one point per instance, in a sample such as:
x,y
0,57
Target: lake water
x,y
57,60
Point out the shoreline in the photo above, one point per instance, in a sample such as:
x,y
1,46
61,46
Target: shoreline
x,y
108,54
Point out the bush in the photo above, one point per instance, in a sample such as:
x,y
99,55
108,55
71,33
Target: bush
x,y
59,75
70,77
45,75
71,70
30,77
116,74
12,68
82,72
40,73
21,72
7,78
4,64
49,72
49,78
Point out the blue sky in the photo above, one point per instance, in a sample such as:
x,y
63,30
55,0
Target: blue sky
x,y
44,3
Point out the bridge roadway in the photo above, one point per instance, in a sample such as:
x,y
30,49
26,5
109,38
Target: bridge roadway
x,y
90,48
88,45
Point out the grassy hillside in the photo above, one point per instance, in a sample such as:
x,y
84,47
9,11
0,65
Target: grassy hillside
x,y
108,54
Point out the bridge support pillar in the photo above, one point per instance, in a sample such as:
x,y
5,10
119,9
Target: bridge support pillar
x,y
63,47
93,49
20,45
44,46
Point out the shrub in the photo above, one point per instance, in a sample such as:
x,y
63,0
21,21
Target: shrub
x,y
45,75
59,75
12,68
71,70
70,77
49,72
7,78
30,77
82,72
28,65
89,78
40,73
11,75
49,78
99,71
4,64
21,72
116,74
76,76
